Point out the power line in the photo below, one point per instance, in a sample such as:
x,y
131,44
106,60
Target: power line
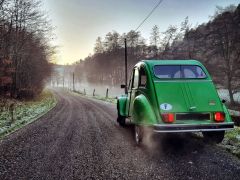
x,y
125,41
155,7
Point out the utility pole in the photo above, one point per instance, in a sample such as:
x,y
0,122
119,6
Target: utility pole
x,y
73,82
63,81
125,42
64,72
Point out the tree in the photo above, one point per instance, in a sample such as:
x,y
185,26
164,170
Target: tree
x,y
154,39
168,37
99,46
224,43
24,37
112,41
133,38
185,40
220,10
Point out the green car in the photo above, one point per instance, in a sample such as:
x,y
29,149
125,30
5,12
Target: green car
x,y
173,96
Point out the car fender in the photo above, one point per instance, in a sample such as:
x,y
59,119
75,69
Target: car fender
x,y
227,115
143,112
121,105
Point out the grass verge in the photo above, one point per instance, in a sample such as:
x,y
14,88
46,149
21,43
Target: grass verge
x,y
231,141
109,99
25,112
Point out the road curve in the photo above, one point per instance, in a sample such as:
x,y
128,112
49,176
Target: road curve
x,y
80,139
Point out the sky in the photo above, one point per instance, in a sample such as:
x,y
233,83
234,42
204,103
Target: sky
x,y
78,23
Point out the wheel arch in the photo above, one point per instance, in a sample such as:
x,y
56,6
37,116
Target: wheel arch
x,y
121,105
143,112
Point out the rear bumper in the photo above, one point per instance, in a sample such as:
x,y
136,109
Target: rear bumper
x,y
168,128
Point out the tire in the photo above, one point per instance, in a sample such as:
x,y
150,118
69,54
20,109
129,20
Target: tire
x,y
138,134
121,120
213,136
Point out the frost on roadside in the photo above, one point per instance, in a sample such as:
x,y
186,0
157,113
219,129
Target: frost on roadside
x,y
25,112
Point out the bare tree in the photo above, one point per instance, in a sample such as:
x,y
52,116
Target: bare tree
x,y
112,41
154,39
24,45
167,40
99,46
224,40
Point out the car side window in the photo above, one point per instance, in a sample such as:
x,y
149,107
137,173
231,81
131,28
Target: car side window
x,y
136,78
143,77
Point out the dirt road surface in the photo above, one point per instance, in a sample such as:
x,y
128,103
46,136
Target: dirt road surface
x,y
80,139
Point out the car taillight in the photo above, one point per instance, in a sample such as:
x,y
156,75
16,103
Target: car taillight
x,y
168,118
219,117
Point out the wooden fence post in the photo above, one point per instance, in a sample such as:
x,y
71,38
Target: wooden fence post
x,y
107,93
11,109
94,92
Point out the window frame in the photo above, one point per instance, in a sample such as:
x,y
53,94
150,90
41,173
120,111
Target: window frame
x,y
181,73
139,84
133,82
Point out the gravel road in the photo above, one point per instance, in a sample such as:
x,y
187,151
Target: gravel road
x,y
80,139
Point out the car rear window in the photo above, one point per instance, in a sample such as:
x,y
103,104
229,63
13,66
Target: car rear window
x,y
179,72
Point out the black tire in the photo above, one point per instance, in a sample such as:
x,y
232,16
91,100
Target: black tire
x,y
138,134
121,120
213,136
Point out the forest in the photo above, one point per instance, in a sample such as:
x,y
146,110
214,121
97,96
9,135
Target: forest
x,y
24,49
215,43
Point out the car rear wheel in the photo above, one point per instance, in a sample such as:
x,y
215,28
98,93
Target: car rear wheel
x,y
138,134
214,136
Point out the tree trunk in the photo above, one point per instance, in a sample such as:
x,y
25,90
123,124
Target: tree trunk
x,y
232,102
